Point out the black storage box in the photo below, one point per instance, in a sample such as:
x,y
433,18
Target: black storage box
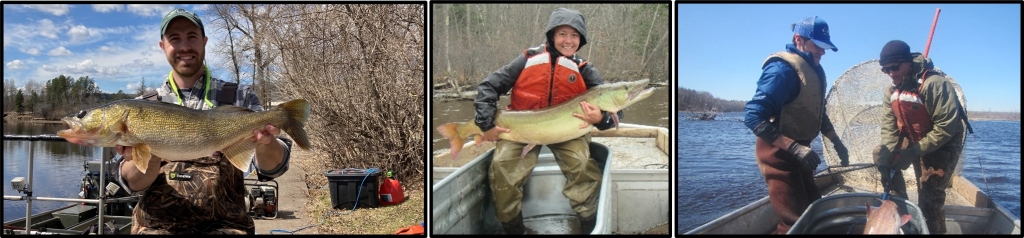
x,y
346,191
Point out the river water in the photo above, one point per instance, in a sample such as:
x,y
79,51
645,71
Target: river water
x,y
58,167
717,172
652,111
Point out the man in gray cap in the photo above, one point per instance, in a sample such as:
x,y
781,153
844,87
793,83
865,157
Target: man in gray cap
x,y
786,113
205,195
924,126
543,76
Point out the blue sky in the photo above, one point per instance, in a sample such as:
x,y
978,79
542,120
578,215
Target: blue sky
x,y
721,46
114,44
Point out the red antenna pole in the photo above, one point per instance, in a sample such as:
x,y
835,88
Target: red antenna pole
x,y
930,35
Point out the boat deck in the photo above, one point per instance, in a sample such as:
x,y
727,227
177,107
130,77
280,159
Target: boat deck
x,y
968,209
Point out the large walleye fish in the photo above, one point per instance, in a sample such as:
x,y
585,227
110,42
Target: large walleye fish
x,y
554,124
176,133
885,219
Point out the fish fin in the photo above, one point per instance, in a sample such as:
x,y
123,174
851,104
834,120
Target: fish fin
x,y
450,132
905,218
297,112
141,154
615,119
240,153
477,139
527,149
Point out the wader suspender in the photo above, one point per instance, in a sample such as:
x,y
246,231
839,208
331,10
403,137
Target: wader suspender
x,y
227,94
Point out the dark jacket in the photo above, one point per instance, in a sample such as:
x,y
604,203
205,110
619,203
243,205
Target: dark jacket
x,y
939,97
501,81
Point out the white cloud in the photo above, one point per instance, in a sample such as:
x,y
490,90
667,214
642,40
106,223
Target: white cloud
x,y
31,51
104,8
150,9
88,67
47,29
59,51
55,9
33,35
131,87
201,7
50,68
16,65
142,62
109,48
79,33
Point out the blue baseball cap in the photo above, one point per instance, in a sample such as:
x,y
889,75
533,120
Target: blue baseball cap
x,y
816,29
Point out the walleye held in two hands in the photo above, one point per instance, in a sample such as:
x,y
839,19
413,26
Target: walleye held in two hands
x,y
175,133
553,124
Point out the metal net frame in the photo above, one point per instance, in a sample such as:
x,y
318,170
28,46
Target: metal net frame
x,y
854,106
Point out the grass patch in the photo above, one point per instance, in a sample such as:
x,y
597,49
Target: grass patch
x,y
379,220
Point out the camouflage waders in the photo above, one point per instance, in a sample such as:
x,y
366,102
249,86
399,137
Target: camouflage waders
x,y
204,196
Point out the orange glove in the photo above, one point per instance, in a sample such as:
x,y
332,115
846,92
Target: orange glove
x,y
412,230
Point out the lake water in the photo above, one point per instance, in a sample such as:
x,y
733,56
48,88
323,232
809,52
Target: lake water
x,y
717,172
58,167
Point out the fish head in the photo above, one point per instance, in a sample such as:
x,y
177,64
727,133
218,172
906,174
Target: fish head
x,y
614,97
101,126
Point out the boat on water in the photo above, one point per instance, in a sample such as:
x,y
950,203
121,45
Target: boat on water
x,y
846,190
81,217
842,210
635,186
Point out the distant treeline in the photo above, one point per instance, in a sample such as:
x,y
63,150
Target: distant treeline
x,y
998,116
57,97
689,100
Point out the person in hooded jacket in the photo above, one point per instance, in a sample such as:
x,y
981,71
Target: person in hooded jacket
x,y
541,77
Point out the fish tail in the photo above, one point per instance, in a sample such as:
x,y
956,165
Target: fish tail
x,y
297,112
450,131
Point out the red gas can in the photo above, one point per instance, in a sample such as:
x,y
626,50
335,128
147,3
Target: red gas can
x,y
391,191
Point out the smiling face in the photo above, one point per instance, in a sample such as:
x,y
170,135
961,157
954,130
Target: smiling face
x,y
566,40
898,72
185,47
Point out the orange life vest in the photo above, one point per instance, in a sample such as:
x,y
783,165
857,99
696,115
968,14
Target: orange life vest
x,y
912,117
542,83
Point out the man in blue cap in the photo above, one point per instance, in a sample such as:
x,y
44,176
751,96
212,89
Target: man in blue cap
x,y
786,113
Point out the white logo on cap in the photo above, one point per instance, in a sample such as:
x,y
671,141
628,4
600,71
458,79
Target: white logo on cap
x,y
824,30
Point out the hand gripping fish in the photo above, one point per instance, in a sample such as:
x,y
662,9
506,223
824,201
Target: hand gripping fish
x,y
554,124
885,219
176,133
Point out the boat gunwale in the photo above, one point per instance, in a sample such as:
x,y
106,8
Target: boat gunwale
x,y
960,186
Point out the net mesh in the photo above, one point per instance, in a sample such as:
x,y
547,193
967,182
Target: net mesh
x,y
854,105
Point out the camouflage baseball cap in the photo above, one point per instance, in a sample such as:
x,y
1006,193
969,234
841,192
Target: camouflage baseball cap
x,y
181,13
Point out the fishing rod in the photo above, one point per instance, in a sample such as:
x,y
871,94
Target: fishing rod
x,y
899,140
43,137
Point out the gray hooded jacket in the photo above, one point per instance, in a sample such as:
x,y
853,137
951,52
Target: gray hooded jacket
x,y
501,81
